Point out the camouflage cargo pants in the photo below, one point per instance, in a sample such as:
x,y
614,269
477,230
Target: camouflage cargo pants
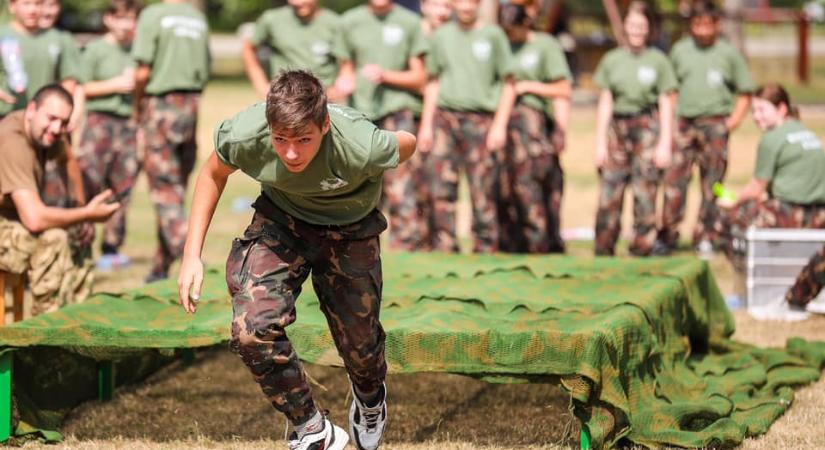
x,y
55,277
703,141
630,159
169,126
531,185
400,199
108,159
460,144
265,271
772,213
809,282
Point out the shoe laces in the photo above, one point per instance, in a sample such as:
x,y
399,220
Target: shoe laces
x,y
372,415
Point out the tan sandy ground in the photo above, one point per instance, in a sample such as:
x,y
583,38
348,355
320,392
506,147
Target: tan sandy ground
x,y
216,405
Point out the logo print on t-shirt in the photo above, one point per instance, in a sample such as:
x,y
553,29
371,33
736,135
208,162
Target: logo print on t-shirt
x,y
482,50
54,51
715,78
320,49
393,34
332,183
529,60
646,75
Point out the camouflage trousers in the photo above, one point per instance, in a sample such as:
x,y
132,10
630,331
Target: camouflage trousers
x,y
772,213
460,143
704,141
531,186
402,199
630,159
55,274
265,271
169,126
809,282
108,159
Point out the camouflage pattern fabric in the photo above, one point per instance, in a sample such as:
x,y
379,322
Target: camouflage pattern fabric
x,y
703,141
460,145
772,213
615,333
531,186
169,127
108,159
265,271
400,199
54,274
809,282
630,159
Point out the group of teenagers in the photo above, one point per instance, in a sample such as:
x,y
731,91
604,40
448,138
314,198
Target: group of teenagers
x,y
430,98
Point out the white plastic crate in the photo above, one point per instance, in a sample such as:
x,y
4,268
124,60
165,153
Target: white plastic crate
x,y
774,257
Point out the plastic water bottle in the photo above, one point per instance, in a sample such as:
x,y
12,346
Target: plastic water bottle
x,y
13,63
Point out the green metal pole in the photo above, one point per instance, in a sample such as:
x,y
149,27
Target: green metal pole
x,y
5,395
105,380
585,437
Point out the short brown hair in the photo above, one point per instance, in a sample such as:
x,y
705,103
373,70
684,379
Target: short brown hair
x,y
52,90
777,95
705,8
295,99
122,7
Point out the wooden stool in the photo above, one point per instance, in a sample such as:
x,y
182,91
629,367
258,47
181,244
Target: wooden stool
x,y
14,284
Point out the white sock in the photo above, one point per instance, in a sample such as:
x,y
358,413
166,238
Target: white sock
x,y
313,425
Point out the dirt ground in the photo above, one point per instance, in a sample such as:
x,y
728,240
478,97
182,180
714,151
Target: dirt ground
x,y
214,404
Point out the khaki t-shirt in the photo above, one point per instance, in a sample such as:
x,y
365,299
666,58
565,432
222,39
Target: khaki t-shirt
x,y
470,66
342,183
388,41
297,45
43,58
636,80
22,164
792,159
173,39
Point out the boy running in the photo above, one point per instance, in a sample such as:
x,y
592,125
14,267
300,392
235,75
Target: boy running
x,y
320,167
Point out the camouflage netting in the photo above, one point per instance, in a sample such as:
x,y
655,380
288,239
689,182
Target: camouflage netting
x,y
641,344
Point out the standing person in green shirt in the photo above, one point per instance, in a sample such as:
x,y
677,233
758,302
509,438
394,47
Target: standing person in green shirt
x,y
714,95
386,46
62,43
171,49
633,132
107,155
320,167
467,104
790,164
301,35
531,177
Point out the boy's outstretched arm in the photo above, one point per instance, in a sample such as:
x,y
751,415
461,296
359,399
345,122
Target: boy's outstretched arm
x,y
208,190
406,145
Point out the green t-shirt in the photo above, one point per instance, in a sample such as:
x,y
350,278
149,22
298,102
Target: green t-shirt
x,y
389,41
792,160
314,45
709,78
541,59
470,66
340,186
635,80
104,60
48,57
173,39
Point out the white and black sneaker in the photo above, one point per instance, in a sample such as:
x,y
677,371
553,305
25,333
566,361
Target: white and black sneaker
x,y
330,437
366,424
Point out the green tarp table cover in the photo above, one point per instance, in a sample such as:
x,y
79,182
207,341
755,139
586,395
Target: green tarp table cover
x,y
642,345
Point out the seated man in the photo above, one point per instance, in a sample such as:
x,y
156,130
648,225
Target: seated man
x,y
34,237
